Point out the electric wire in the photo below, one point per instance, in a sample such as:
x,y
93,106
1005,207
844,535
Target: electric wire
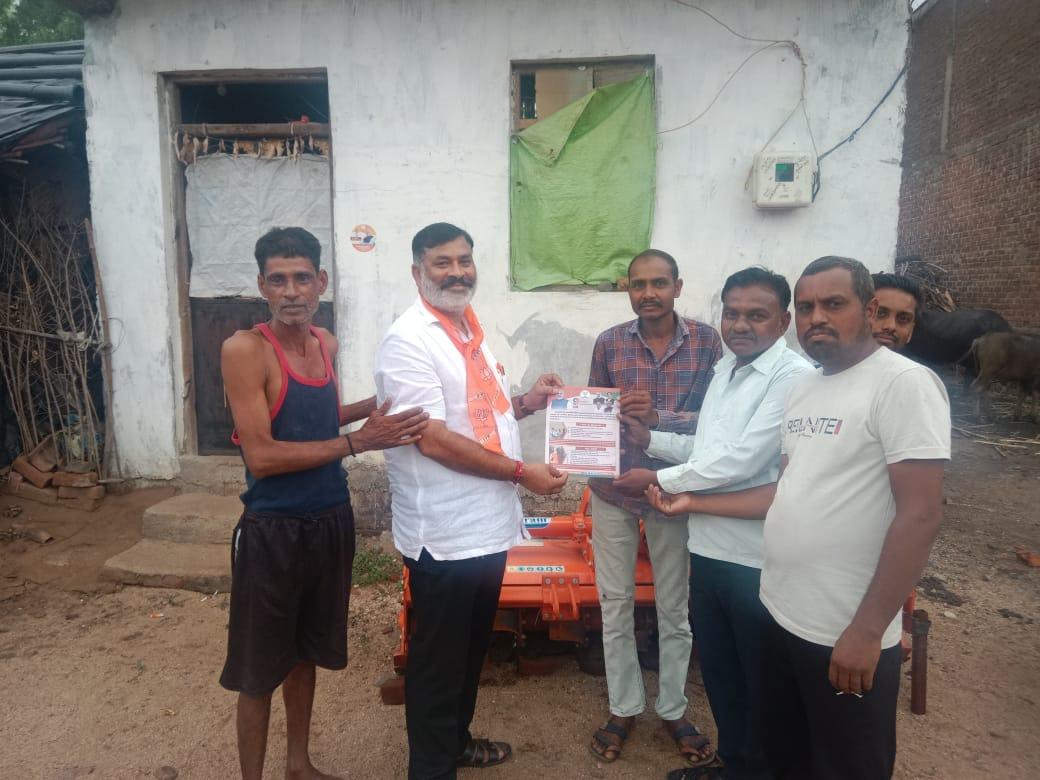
x,y
726,26
770,43
721,89
852,136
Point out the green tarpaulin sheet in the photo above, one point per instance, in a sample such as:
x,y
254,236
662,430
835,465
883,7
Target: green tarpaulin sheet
x,y
582,199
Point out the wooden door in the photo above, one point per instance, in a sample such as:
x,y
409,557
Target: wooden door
x,y
212,321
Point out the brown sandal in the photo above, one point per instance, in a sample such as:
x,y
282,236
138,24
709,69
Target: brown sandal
x,y
691,753
611,750
483,752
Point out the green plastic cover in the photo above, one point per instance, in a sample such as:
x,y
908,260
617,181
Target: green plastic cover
x,y
582,199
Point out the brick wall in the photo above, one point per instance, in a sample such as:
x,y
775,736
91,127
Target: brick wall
x,y
972,206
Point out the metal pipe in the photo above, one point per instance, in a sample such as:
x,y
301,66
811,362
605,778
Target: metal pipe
x,y
46,72
59,46
919,663
27,59
63,93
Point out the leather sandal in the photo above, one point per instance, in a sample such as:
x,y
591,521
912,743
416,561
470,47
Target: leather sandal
x,y
611,750
691,752
480,753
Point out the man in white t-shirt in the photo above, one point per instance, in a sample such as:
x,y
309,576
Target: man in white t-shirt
x,y
848,531
455,506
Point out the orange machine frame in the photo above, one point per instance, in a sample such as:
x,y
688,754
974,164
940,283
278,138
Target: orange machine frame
x,y
549,585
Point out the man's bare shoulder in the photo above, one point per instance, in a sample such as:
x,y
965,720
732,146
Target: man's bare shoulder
x,y
331,342
243,346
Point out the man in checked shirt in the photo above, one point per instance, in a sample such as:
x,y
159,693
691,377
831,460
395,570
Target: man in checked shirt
x,y
662,363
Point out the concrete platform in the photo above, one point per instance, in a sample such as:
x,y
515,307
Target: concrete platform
x,y
192,518
163,564
222,475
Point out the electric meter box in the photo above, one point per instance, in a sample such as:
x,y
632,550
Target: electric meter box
x,y
782,180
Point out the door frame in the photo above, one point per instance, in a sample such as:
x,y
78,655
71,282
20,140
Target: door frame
x,y
178,250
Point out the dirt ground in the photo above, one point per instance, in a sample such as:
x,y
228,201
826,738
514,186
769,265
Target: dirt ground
x,y
117,683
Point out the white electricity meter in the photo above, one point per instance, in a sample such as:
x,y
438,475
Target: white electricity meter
x,y
782,180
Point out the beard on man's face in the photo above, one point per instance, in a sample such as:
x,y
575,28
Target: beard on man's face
x,y
442,296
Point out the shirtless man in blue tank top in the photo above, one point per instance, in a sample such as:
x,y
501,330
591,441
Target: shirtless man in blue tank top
x,y
293,548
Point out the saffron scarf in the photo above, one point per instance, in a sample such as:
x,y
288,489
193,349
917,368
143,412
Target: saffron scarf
x,y
484,394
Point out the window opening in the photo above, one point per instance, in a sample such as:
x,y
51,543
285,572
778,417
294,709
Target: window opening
x,y
528,106
582,170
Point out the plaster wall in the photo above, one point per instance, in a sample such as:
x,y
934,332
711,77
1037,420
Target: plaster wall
x,y
420,110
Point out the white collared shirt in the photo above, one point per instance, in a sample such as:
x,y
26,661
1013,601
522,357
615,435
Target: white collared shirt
x,y
450,514
737,446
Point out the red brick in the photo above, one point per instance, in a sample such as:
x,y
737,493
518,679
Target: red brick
x,y
38,478
69,479
95,491
19,486
972,208
44,455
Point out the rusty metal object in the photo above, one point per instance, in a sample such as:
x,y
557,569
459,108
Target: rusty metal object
x,y
919,663
908,624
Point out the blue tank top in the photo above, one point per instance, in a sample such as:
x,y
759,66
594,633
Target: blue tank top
x,y
306,410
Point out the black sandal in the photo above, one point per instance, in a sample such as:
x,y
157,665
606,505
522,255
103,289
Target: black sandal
x,y
483,752
611,750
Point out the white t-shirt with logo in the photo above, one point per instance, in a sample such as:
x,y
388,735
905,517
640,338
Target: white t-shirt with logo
x,y
834,502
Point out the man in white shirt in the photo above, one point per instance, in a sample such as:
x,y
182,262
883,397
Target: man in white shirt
x,y
737,446
848,531
455,505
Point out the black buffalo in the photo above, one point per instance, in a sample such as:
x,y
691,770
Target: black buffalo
x,y
943,337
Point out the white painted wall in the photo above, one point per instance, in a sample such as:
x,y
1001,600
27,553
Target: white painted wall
x,y
420,106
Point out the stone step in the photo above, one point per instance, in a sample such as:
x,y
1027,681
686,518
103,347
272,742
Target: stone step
x,y
219,474
156,563
192,518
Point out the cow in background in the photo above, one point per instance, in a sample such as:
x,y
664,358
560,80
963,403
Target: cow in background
x,y
1010,357
943,337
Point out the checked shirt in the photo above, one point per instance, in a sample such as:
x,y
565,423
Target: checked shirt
x,y
676,383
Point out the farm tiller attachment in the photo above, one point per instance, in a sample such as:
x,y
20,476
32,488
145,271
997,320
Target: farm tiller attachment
x,y
549,604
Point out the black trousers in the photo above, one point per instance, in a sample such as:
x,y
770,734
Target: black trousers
x,y
729,620
812,732
454,605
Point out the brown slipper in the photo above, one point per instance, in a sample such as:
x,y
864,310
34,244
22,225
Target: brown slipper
x,y
610,749
691,751
483,752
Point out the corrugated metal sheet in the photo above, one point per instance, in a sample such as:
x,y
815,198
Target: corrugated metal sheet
x,y
31,100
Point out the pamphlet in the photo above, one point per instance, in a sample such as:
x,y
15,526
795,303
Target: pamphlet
x,y
582,431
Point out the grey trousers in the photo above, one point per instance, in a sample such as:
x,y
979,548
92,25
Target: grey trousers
x,y
615,540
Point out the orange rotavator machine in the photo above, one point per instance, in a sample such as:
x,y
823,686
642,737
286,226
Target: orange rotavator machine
x,y
549,593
